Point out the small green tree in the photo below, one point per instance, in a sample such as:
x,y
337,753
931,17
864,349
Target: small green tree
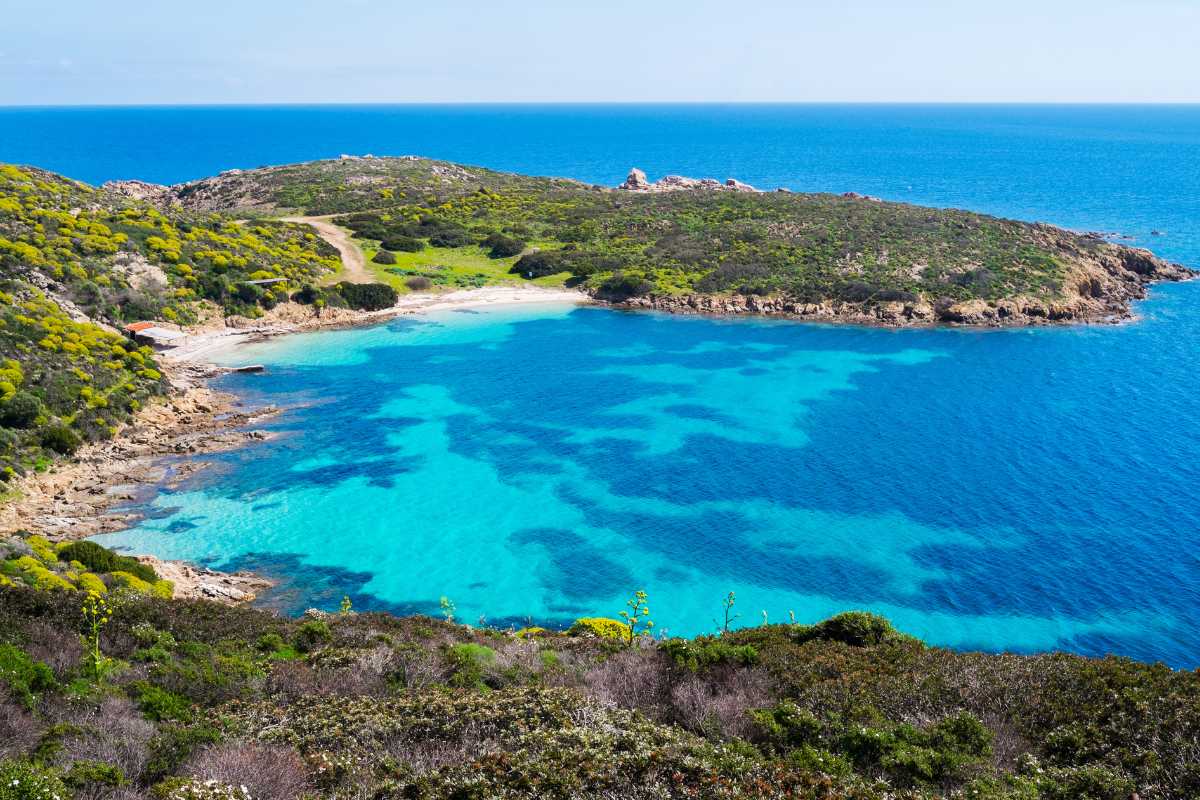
x,y
346,605
637,615
448,608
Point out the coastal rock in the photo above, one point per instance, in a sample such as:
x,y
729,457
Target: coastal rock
x,y
139,273
635,181
154,193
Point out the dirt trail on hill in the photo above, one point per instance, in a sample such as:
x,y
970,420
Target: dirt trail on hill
x,y
354,263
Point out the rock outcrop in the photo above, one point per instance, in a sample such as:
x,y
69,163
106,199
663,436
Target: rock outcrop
x,y
637,182
154,193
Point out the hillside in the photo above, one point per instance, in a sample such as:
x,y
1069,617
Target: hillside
x,y
191,700
686,245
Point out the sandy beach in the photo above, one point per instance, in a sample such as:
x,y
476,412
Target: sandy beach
x,y
202,345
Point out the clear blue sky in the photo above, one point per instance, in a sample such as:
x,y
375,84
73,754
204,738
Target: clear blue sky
x,y
259,51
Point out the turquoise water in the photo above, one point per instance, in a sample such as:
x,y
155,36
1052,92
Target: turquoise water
x,y
1019,490
1014,490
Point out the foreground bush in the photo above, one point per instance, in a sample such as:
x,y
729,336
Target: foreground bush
x,y
198,698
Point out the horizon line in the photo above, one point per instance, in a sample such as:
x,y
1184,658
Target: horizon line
x,y
602,103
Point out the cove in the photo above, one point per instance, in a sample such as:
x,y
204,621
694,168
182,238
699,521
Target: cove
x,y
1018,490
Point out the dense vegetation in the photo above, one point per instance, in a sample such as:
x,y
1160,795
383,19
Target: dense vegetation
x,y
72,256
807,247
188,699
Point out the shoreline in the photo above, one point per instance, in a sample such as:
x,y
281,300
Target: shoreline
x,y
83,496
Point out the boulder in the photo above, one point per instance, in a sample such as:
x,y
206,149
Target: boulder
x,y
636,181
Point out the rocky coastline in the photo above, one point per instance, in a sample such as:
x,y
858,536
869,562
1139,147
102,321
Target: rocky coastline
x,y
1100,290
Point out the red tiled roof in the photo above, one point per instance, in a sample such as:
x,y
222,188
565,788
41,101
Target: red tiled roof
x,y
134,327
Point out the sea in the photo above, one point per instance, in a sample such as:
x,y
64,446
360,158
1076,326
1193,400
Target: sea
x,y
1016,490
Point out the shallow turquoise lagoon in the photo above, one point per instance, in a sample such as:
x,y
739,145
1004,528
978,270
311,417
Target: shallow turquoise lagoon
x,y
1016,490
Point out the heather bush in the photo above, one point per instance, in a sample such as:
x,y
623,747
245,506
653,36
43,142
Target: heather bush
x,y
269,772
384,257
19,728
418,283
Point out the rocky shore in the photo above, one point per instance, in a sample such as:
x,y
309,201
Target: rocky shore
x,y
1101,289
83,497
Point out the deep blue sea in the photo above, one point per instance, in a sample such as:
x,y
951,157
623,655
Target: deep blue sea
x,y
1013,490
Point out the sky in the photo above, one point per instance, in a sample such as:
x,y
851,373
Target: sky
x,y
117,52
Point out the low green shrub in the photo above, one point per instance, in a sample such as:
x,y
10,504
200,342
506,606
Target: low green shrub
x,y
21,410
25,678
403,244
312,635
158,704
468,662
60,438
500,246
368,296
384,257
21,780
540,264
856,628
100,559
93,775
706,651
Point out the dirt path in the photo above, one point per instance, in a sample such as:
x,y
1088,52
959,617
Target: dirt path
x,y
354,263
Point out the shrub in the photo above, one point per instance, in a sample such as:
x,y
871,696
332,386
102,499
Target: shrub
x,y
403,244
501,246
600,627
451,238
706,651
307,295
384,257
311,635
85,774
158,704
368,296
856,628
468,661
267,771
622,286
418,283
539,264
173,745
21,410
25,677
21,780
60,438
100,559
